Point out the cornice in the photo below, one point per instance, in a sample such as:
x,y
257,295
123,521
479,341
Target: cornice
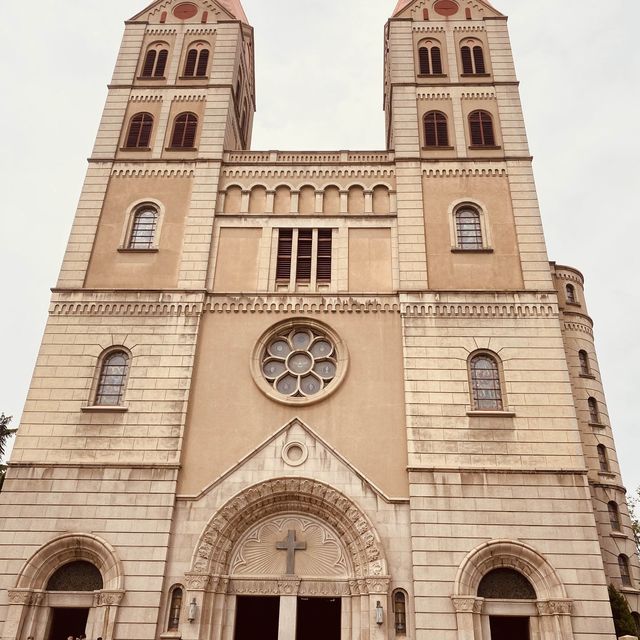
x,y
480,310
299,304
418,28
478,95
469,28
457,172
161,31
200,31
308,157
307,172
429,95
137,171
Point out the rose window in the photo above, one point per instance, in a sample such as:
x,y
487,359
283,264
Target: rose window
x,y
299,362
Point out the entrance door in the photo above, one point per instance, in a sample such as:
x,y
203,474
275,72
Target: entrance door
x,y
318,619
68,622
257,618
504,628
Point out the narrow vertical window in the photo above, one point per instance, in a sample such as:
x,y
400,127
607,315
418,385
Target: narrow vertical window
x,y
481,129
190,64
585,368
571,294
436,133
594,411
603,459
323,266
485,383
285,248
155,62
467,60
625,573
161,63
436,60
425,61
203,63
184,131
112,378
143,228
472,55
149,64
478,59
614,515
430,59
139,134
196,63
175,607
400,612
305,255
468,228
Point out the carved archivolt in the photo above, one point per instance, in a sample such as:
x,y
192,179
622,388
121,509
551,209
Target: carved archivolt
x,y
301,496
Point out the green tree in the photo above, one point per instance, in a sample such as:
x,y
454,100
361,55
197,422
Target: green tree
x,y
622,618
5,434
633,501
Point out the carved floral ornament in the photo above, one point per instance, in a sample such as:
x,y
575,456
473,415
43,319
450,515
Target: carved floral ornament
x,y
364,570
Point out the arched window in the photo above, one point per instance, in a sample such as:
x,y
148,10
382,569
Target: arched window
x,y
481,129
571,294
436,133
155,62
594,411
139,134
625,573
430,57
184,131
603,459
614,515
485,383
506,584
78,575
400,611
196,63
143,228
472,58
112,379
585,369
468,228
175,607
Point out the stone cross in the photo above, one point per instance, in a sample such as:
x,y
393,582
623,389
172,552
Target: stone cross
x,y
290,545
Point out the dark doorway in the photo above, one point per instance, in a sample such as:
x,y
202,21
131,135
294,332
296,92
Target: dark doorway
x,y
257,618
68,622
509,628
318,619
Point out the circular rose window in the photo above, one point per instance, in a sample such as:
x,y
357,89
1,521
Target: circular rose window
x,y
299,362
185,11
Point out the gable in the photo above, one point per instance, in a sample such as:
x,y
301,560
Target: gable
x,y
196,11
445,10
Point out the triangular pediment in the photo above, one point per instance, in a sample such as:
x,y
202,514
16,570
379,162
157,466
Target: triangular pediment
x,y
220,9
445,9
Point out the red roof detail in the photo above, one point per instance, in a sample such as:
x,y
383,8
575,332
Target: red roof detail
x,y
234,7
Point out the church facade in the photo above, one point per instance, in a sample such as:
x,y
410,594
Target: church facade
x,y
322,395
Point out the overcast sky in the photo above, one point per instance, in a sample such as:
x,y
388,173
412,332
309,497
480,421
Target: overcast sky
x,y
319,86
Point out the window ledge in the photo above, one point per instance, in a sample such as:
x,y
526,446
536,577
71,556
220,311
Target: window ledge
x,y
589,376
152,78
628,589
598,425
432,75
437,148
175,635
491,414
189,149
607,475
573,304
193,78
618,534
104,409
127,250
485,147
136,149
475,75
461,250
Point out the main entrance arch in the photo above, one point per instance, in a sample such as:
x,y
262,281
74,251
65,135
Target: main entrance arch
x,y
289,538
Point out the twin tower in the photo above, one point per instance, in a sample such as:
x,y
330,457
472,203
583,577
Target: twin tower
x,y
313,396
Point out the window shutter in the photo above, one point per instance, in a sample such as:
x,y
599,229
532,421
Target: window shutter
x,y
488,138
467,63
190,66
135,128
184,131
442,132
149,64
145,130
430,136
478,58
436,59
323,270
203,63
424,61
305,247
285,246
475,127
191,128
161,64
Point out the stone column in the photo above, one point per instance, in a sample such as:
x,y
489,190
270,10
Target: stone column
x,y
468,612
107,603
368,201
19,602
295,198
288,617
244,202
271,195
196,587
344,201
345,618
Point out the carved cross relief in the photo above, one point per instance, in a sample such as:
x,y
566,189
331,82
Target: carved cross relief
x,y
290,545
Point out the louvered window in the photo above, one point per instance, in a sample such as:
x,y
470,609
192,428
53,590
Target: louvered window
x,y
485,383
309,251
468,229
436,133
139,134
175,608
603,459
473,60
400,612
155,63
585,369
111,382
625,573
594,411
196,63
143,228
614,516
184,131
571,294
481,128
430,58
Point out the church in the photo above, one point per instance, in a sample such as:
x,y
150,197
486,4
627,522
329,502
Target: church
x,y
319,395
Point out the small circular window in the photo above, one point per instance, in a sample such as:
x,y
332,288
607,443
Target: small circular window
x,y
299,362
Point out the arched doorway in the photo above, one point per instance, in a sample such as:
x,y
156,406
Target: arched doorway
x,y
295,551
505,590
72,585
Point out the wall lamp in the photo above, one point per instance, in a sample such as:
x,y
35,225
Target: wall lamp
x,y
193,610
379,613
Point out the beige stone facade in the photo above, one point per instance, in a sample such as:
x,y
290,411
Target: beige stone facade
x,y
396,491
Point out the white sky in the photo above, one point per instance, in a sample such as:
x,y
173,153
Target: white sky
x,y
319,86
